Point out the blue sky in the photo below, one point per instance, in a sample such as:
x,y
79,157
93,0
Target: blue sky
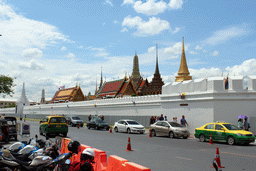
x,y
51,43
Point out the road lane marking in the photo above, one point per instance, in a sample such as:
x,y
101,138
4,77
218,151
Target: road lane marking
x,y
184,158
238,154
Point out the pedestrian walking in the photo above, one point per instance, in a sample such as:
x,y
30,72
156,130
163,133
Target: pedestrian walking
x,y
174,119
183,121
152,120
89,118
240,123
246,124
161,118
165,118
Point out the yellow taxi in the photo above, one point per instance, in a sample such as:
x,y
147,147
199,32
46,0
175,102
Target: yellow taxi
x,y
53,124
224,132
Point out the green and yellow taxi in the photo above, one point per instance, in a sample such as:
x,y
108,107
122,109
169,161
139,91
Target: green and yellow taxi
x,y
53,125
224,132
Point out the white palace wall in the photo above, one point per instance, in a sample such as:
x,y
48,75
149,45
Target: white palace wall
x,y
206,100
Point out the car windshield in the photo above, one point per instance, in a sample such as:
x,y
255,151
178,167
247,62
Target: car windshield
x,y
174,124
58,120
76,118
231,127
133,123
100,121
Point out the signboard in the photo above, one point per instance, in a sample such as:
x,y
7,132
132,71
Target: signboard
x,y
25,128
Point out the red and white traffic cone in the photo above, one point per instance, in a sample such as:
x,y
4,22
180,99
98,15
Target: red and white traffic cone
x,y
129,148
78,126
150,133
217,158
211,142
110,130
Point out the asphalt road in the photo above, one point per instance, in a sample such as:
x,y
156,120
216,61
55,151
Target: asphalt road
x,y
162,153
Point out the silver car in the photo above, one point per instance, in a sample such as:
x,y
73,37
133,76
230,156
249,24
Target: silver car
x,y
170,129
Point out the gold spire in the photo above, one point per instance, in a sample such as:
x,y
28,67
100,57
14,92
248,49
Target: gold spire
x,y
183,73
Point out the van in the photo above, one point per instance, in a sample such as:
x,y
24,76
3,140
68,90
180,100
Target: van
x,y
74,121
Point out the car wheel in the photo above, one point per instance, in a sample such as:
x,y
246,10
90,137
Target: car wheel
x,y
15,137
107,128
171,135
97,128
153,133
72,125
231,140
81,125
185,137
65,134
202,138
88,127
116,129
47,134
128,131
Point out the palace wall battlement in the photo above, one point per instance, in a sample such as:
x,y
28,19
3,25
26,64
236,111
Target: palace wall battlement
x,y
212,84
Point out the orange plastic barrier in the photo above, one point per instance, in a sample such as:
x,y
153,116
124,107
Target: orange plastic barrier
x,y
65,142
100,160
116,163
130,166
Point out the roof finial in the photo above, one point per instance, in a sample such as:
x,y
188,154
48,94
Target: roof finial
x,y
101,79
157,70
135,53
96,86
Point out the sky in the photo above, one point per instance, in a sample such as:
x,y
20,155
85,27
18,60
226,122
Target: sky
x,y
48,44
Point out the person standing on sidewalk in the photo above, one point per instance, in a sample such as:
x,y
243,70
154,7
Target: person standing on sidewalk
x,y
183,121
161,118
246,124
152,120
240,123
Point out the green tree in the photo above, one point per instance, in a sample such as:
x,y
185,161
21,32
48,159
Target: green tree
x,y
6,84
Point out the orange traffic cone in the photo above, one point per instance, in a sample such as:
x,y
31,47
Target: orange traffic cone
x,y
129,148
150,133
217,158
211,142
110,130
78,126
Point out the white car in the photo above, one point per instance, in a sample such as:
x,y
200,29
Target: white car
x,y
129,126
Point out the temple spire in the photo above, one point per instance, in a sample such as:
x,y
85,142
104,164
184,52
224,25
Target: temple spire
x,y
96,90
183,73
157,70
101,79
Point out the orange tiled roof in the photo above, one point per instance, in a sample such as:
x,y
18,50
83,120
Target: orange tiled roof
x,y
112,86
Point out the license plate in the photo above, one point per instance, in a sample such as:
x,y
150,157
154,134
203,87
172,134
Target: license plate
x,y
58,126
251,138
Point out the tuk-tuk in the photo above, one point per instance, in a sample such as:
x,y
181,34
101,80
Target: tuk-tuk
x,y
12,121
4,130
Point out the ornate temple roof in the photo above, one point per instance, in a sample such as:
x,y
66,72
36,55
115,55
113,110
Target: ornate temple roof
x,y
68,94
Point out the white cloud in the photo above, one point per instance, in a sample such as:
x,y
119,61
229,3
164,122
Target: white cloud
x,y
175,4
198,47
103,24
124,29
115,21
150,7
71,55
99,51
80,47
63,48
151,49
193,52
30,33
109,2
128,2
248,67
215,53
205,73
223,35
32,65
177,29
32,53
152,27
175,49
